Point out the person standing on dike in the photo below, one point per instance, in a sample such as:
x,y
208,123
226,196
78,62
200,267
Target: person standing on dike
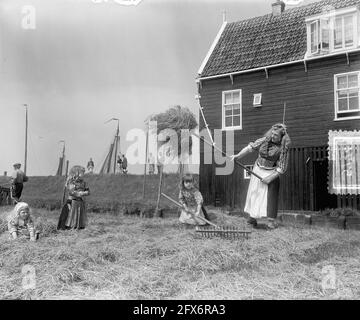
x,y
273,153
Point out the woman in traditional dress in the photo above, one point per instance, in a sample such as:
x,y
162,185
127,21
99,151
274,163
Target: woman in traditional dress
x,y
191,199
73,214
262,196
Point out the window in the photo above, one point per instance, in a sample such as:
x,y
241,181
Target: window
x,y
347,92
320,36
231,110
332,32
247,175
344,32
324,34
314,31
257,99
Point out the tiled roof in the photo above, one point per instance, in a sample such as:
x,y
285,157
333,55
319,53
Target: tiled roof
x,y
266,40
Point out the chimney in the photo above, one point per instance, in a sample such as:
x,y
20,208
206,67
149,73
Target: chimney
x,y
277,8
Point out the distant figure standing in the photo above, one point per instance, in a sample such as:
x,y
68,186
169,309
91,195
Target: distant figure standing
x,y
124,164
151,161
18,178
90,166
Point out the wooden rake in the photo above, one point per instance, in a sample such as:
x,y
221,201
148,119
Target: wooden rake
x,y
227,232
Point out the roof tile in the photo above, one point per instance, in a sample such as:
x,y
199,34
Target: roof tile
x,y
265,40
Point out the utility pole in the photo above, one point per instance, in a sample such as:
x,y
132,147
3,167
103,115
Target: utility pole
x,y
146,156
26,135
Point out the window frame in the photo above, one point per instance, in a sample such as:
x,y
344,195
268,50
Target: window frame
x,y
343,45
317,33
336,107
331,17
224,128
257,96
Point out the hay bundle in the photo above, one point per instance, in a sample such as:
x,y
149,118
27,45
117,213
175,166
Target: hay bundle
x,y
176,118
3,225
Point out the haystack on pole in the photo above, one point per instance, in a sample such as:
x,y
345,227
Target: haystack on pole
x,y
106,167
176,118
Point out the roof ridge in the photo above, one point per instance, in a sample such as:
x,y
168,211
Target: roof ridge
x,y
291,10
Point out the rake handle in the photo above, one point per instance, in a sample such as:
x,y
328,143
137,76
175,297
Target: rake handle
x,y
226,155
180,206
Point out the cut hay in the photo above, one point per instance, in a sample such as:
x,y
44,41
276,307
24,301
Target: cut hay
x,y
154,259
3,225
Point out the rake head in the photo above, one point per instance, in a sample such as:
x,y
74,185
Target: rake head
x,y
222,232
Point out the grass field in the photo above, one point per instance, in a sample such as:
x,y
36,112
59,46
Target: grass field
x,y
126,257
109,193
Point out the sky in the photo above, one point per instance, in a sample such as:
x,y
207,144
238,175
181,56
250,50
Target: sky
x,y
82,62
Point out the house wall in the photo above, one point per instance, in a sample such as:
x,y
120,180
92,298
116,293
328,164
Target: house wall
x,y
310,114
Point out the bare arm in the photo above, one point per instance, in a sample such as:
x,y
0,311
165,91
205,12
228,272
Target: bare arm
x,y
243,152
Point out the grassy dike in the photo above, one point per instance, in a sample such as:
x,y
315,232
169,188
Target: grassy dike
x,y
109,193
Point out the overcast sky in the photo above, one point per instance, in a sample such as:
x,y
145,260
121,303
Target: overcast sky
x,y
86,62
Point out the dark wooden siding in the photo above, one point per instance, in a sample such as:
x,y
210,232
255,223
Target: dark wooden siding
x,y
309,98
303,187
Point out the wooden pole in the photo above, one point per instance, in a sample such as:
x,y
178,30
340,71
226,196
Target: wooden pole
x,y
226,155
116,146
181,207
146,155
67,168
66,175
284,113
157,213
26,136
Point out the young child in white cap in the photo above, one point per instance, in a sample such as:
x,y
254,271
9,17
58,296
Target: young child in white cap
x,y
20,222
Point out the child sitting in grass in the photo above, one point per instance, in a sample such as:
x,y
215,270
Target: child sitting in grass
x,y
20,222
191,199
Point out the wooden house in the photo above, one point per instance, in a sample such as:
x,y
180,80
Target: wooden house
x,y
307,58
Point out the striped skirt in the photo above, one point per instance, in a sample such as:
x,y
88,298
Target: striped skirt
x,y
77,218
262,199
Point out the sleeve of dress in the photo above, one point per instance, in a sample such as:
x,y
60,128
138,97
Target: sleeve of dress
x,y
257,143
283,161
72,191
182,200
86,188
198,198
12,226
